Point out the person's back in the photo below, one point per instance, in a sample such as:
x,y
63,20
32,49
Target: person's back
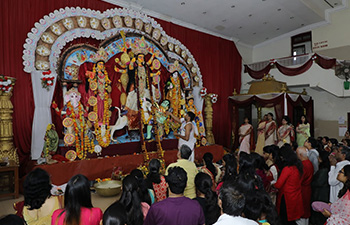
x,y
190,168
176,209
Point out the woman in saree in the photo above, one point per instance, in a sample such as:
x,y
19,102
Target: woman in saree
x,y
260,142
285,133
245,133
270,130
303,131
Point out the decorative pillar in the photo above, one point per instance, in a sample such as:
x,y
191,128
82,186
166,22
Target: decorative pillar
x,y
259,114
7,148
208,110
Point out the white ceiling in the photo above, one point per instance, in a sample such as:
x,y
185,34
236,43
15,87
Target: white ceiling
x,y
250,22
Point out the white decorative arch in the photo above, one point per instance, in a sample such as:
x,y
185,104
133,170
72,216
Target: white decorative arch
x,y
48,37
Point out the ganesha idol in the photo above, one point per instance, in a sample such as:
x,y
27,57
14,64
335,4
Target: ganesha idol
x,y
73,114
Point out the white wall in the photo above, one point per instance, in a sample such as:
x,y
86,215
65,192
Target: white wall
x,y
274,50
246,53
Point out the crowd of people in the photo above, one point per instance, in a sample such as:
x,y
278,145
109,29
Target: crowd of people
x,y
281,185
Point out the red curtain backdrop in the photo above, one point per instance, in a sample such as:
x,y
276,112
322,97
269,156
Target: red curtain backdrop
x,y
325,63
218,59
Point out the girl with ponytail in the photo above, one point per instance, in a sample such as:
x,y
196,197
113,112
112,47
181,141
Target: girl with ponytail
x,y
207,198
340,212
210,169
155,181
135,210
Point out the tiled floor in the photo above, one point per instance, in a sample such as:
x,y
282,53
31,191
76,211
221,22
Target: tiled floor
x,y
6,205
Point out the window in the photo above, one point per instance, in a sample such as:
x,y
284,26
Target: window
x,y
301,44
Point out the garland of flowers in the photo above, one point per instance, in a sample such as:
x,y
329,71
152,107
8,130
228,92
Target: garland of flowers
x,y
79,142
6,84
106,139
177,95
47,80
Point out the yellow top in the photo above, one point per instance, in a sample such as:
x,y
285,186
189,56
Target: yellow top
x,y
191,170
43,215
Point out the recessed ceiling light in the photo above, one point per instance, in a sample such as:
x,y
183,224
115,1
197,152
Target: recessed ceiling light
x,y
335,3
292,17
263,0
302,24
204,13
278,29
254,33
265,23
250,15
232,6
267,38
183,3
223,20
279,9
240,27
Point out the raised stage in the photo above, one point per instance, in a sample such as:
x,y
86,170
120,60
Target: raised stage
x,y
102,167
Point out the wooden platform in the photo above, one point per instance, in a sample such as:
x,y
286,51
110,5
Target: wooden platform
x,y
102,167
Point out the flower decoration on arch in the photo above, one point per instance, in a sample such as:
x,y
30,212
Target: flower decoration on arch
x,y
47,80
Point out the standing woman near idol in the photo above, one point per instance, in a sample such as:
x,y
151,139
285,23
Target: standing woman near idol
x,y
260,142
285,133
245,133
303,131
270,130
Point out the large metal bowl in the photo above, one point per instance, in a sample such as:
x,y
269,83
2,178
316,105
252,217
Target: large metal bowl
x,y
108,188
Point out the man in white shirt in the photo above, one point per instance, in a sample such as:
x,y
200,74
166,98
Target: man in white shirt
x,y
312,154
338,159
232,203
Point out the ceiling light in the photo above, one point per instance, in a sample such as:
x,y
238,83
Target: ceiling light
x,y
267,38
204,13
278,29
265,23
223,20
302,24
254,33
292,17
240,27
232,6
279,9
250,15
335,3
183,3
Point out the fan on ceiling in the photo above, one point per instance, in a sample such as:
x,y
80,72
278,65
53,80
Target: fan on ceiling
x,y
343,71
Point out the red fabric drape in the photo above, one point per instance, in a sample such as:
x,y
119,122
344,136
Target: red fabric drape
x,y
322,62
309,106
277,103
215,57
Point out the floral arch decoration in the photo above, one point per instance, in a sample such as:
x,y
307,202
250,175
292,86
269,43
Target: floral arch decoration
x,y
46,40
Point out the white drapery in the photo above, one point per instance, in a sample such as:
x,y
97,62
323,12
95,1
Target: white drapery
x,y
42,112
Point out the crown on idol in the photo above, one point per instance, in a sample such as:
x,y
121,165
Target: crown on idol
x,y
140,46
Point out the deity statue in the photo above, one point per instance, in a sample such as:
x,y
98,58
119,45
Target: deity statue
x,y
140,86
75,125
174,90
162,118
99,98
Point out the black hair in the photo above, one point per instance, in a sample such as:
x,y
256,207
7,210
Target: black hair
x,y
12,219
313,142
290,158
191,115
177,180
346,186
347,142
230,167
76,196
246,163
208,159
286,118
346,151
131,201
270,114
37,187
333,141
324,160
326,138
142,186
153,176
271,149
204,184
233,201
185,151
306,121
115,214
258,161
